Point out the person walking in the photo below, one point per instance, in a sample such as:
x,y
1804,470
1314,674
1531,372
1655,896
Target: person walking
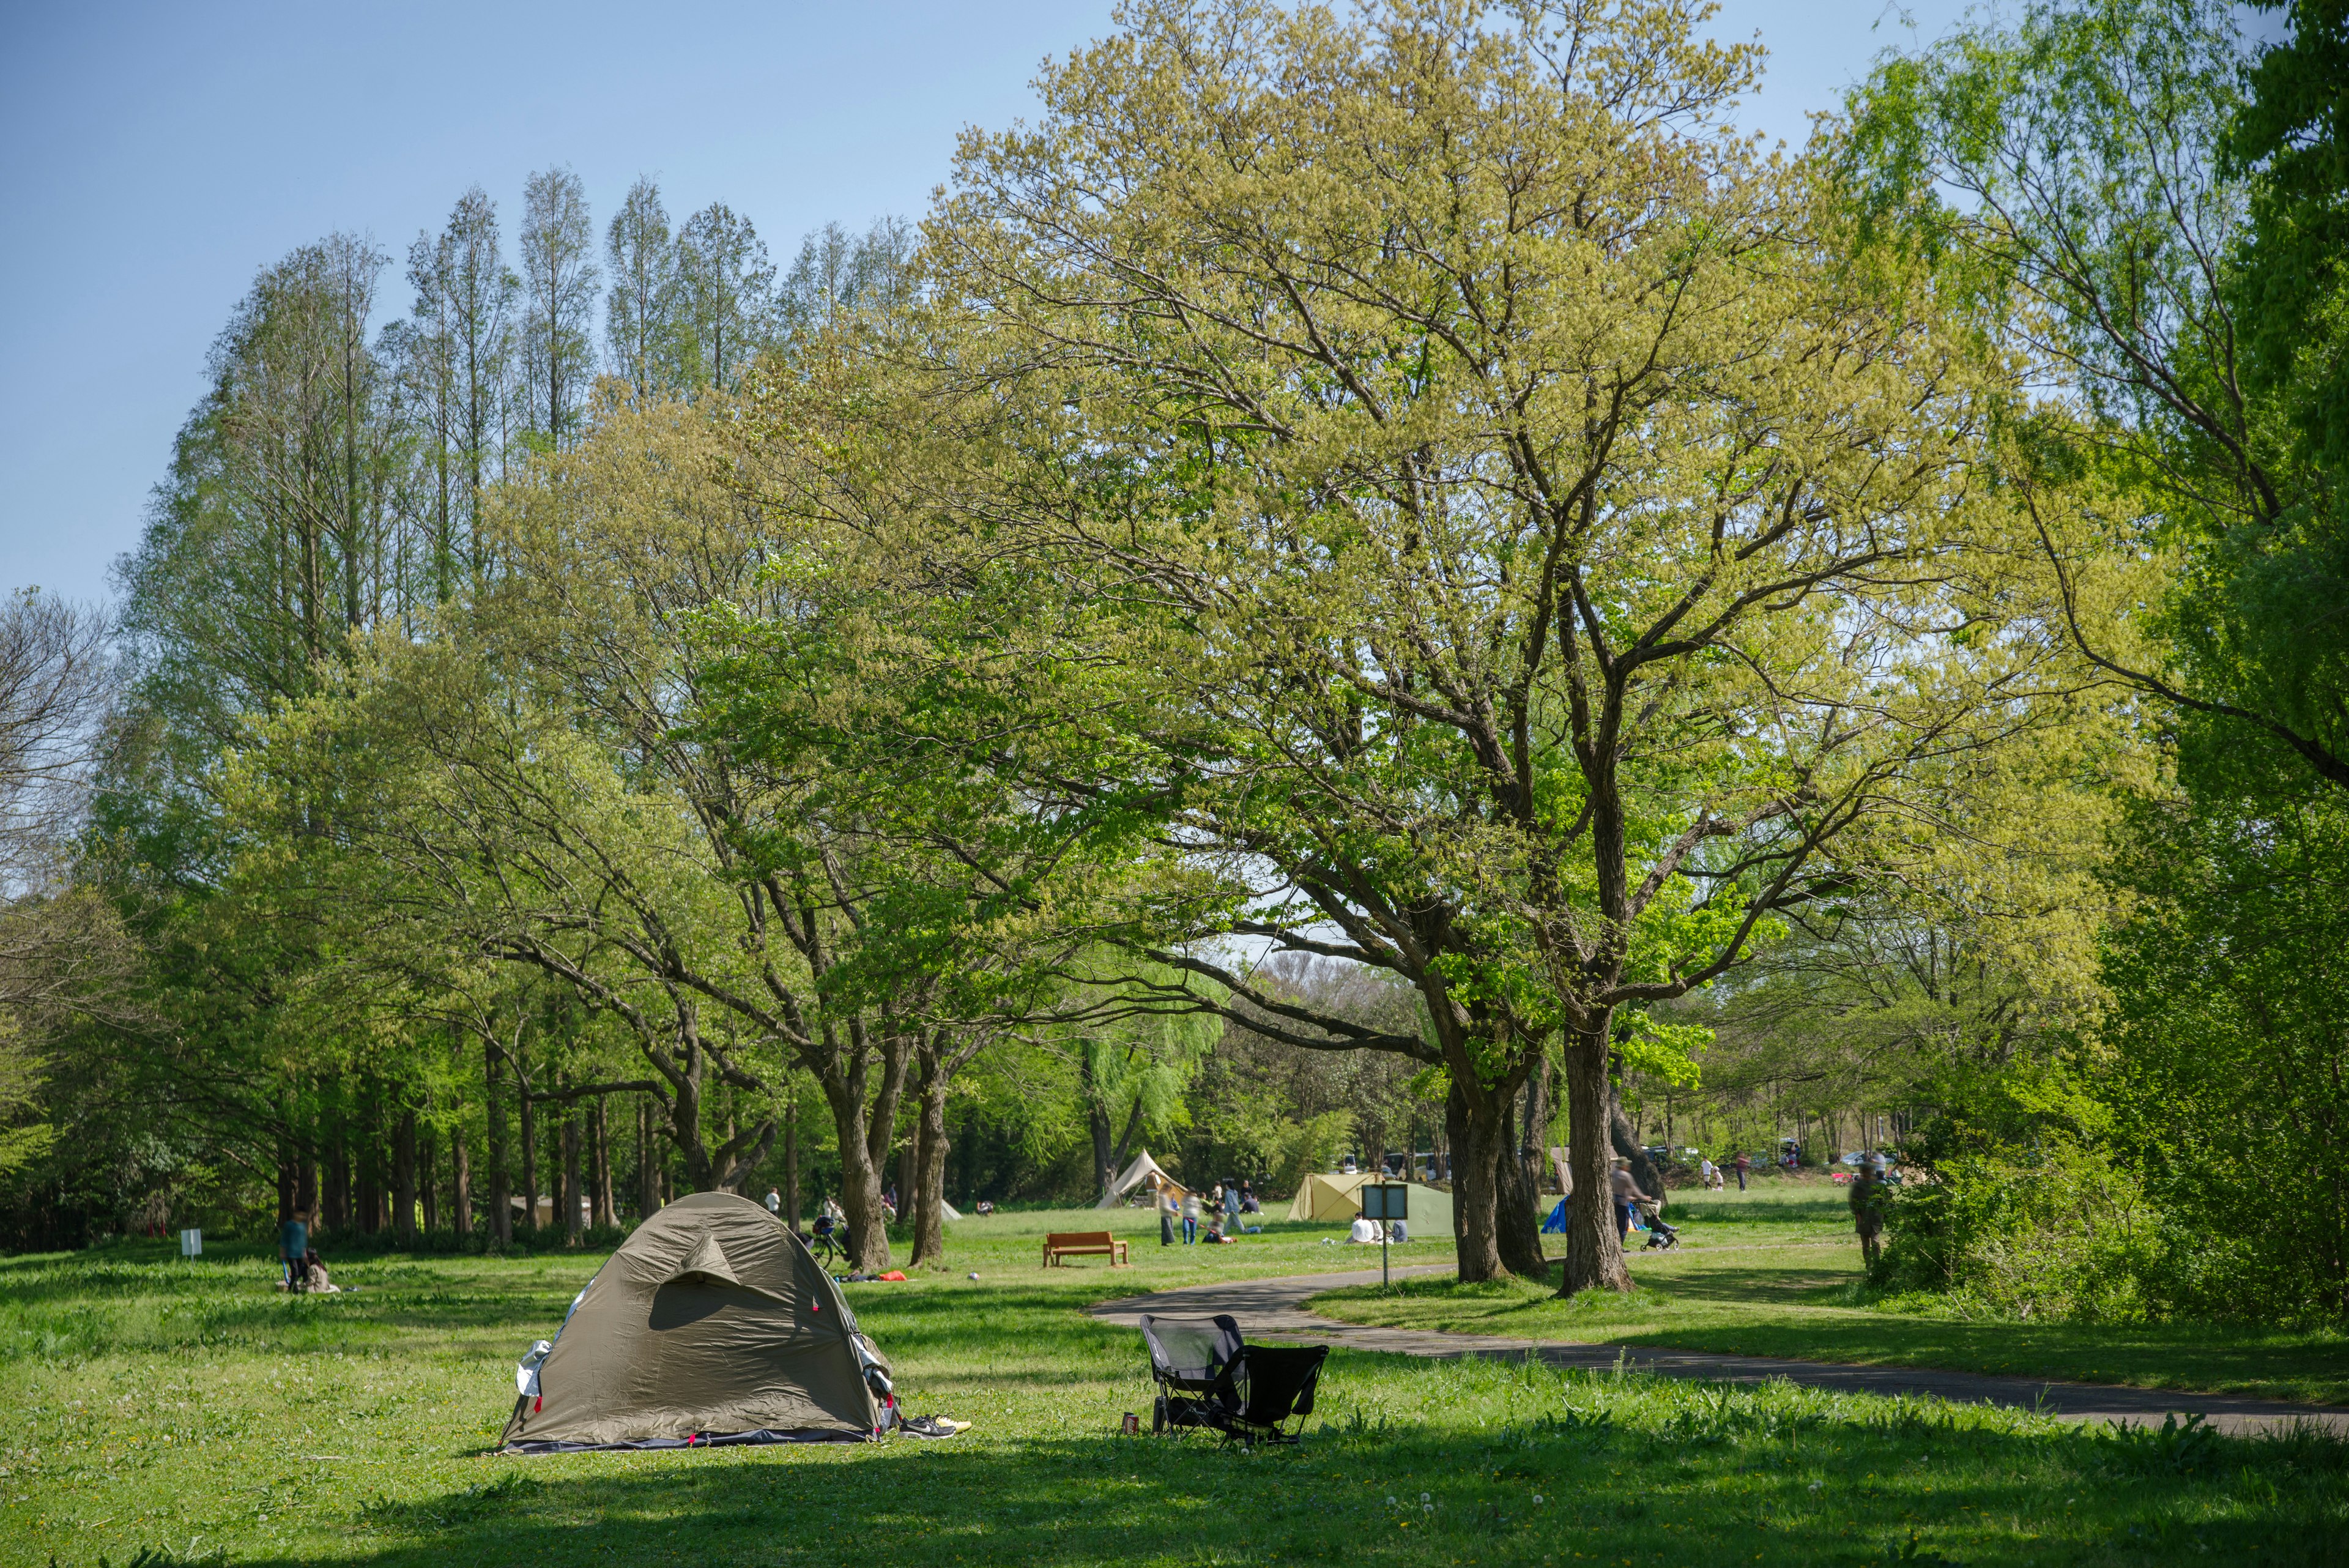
x,y
1868,1196
1626,1197
1742,1164
293,1249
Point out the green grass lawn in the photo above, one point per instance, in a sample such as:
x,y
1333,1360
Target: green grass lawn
x,y
1776,1272
187,1410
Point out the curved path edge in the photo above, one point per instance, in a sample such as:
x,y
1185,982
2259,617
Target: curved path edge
x,y
1275,1309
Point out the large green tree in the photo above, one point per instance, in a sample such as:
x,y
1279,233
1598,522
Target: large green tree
x,y
1534,541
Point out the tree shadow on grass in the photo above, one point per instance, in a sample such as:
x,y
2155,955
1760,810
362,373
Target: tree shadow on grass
x,y
1734,1484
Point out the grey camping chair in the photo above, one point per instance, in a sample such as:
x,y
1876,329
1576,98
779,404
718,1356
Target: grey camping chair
x,y
1208,1377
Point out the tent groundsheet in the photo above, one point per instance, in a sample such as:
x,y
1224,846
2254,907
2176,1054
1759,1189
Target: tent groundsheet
x,y
711,1324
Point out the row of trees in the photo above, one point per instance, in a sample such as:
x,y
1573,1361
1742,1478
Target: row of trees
x,y
1358,573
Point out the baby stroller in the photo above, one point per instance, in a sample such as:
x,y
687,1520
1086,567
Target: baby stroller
x,y
1207,1377
1662,1238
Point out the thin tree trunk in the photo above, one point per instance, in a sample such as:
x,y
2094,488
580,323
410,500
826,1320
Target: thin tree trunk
x,y
792,1160
648,1163
572,1195
403,1179
529,1141
426,1162
603,1126
460,1182
501,1196
1594,1253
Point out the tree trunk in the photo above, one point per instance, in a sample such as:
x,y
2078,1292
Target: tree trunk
x,y
1475,1143
403,1179
603,1125
791,1160
1518,1223
1594,1253
529,1134
428,1157
460,1182
500,1195
648,1162
571,1193
930,1177
286,1179
860,1190
1096,1121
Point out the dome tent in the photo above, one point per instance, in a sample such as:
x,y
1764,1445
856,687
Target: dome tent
x,y
711,1325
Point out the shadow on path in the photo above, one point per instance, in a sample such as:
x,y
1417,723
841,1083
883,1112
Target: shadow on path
x,y
1275,1309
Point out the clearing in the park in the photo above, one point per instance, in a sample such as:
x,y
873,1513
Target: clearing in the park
x,y
184,1408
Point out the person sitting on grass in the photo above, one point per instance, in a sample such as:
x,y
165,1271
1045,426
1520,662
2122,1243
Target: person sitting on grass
x,y
314,1273
1365,1233
1215,1236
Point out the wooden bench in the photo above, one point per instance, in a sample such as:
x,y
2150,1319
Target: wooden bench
x,y
1063,1244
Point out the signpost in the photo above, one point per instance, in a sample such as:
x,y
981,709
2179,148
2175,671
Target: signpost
x,y
191,1243
1386,1201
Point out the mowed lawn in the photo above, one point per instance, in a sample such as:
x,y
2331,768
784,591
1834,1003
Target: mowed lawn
x,y
186,1410
1776,1272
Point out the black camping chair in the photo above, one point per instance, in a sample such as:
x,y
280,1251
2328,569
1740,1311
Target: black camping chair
x,y
1208,1377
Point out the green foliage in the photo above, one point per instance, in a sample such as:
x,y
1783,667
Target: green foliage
x,y
2229,1077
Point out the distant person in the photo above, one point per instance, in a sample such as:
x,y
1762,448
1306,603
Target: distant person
x,y
313,1276
1165,1217
1396,1232
292,1247
1744,1163
1708,1173
1364,1232
1190,1217
1628,1198
1215,1236
1232,1201
1868,1196
774,1202
1249,1204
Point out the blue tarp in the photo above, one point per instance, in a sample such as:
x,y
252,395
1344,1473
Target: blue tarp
x,y
1555,1224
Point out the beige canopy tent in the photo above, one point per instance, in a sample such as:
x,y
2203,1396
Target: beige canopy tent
x,y
711,1325
1143,1172
1336,1200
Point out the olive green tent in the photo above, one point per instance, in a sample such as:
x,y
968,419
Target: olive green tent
x,y
711,1325
1335,1198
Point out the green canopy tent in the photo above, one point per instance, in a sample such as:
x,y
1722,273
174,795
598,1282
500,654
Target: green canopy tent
x,y
711,1325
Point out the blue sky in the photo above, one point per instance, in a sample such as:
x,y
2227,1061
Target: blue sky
x,y
154,157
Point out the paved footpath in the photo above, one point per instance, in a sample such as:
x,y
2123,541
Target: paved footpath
x,y
1275,1309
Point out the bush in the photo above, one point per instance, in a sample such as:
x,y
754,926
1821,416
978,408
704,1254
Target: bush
x,y
2061,1233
